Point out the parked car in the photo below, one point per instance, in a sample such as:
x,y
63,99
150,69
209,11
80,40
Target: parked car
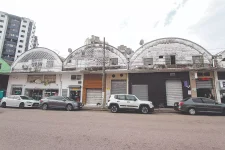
x,y
59,102
20,101
199,105
129,102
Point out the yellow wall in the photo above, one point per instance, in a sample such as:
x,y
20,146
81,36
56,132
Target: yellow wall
x,y
108,82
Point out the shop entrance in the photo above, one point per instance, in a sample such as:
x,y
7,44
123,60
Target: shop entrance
x,y
16,90
205,93
36,94
75,94
51,92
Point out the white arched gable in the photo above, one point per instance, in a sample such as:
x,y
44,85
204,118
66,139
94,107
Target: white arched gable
x,y
38,60
221,59
90,56
159,51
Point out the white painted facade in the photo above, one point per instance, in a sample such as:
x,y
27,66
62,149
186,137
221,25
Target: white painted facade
x,y
46,61
90,56
160,51
19,77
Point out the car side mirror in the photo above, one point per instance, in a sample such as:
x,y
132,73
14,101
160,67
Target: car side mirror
x,y
64,100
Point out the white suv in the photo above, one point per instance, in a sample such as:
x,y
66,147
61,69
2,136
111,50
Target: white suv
x,y
126,101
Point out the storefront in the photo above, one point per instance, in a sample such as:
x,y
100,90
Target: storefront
x,y
116,84
16,90
38,94
162,88
75,92
92,89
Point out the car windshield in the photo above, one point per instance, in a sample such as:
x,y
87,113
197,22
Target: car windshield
x,y
70,99
186,99
26,98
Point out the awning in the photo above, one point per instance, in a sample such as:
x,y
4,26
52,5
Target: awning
x,y
74,86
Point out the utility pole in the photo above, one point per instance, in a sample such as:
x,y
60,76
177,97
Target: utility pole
x,y
103,77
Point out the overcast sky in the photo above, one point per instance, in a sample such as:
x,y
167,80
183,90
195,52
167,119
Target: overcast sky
x,y
63,24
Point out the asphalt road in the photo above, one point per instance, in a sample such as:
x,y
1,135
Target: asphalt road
x,y
101,130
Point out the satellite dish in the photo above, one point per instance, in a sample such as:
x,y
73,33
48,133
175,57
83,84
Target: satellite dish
x,y
141,42
70,50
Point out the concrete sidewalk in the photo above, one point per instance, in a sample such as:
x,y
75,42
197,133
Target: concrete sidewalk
x,y
157,110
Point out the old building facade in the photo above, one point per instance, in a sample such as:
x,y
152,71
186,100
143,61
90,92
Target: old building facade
x,y
162,71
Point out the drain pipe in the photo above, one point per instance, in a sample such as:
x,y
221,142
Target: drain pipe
x,y
216,81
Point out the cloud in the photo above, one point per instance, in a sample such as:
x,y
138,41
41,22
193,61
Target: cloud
x,y
156,24
173,12
211,28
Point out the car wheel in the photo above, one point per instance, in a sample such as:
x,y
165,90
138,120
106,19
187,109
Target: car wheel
x,y
192,111
114,109
21,105
4,105
44,107
144,109
69,107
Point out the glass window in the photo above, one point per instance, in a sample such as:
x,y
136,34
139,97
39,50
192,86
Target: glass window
x,y
75,77
35,78
197,100
114,61
50,64
121,97
1,20
50,79
1,26
23,31
148,61
20,46
208,101
22,36
26,98
2,15
21,41
24,26
0,66
130,98
56,97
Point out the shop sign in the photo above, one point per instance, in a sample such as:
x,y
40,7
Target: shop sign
x,y
223,84
75,89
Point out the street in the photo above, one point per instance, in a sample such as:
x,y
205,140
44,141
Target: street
x,y
22,129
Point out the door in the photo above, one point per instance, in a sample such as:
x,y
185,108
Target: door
x,y
131,102
52,101
200,105
61,102
212,106
118,87
94,97
9,101
174,92
121,100
140,91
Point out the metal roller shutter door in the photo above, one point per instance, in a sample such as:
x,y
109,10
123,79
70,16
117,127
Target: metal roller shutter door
x,y
118,87
141,91
94,96
204,84
174,92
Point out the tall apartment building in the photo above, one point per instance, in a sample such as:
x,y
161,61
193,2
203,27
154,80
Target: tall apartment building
x,y
17,35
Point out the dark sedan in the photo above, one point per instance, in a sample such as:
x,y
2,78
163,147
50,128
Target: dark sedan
x,y
196,105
